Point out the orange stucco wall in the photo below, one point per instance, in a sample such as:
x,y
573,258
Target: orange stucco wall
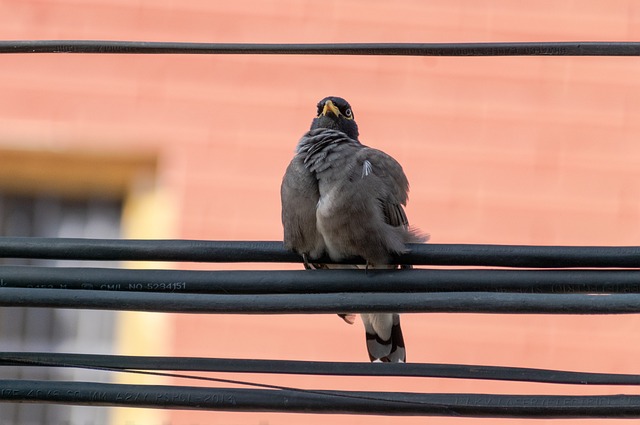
x,y
514,150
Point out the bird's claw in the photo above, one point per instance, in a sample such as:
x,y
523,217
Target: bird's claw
x,y
305,260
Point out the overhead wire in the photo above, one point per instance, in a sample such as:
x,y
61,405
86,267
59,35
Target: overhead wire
x,y
518,256
330,401
297,367
578,48
238,282
404,302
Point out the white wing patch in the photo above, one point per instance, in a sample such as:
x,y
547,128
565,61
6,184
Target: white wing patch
x,y
367,168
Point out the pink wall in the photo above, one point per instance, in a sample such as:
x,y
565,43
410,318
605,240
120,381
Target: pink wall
x,y
498,150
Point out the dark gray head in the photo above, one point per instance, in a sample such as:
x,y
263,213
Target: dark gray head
x,y
335,113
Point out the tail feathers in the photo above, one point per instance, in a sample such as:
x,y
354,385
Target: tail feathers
x,y
385,342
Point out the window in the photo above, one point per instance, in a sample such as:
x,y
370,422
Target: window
x,y
56,330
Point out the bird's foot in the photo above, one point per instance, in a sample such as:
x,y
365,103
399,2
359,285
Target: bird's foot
x,y
305,260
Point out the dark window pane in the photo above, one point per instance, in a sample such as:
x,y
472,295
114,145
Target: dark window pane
x,y
56,330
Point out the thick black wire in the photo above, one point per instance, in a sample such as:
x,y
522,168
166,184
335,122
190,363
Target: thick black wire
x,y
431,302
323,281
320,401
369,397
256,252
182,376
396,49
145,250
424,370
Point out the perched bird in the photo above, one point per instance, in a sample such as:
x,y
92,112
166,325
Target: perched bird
x,y
343,199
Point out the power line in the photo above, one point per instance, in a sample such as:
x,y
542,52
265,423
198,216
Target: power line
x,y
369,49
430,302
274,251
330,281
423,370
320,401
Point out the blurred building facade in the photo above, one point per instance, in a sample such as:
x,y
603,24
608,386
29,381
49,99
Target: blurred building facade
x,y
522,150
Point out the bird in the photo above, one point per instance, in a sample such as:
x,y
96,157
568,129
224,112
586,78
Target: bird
x,y
343,199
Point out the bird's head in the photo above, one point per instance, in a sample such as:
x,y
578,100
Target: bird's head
x,y
335,113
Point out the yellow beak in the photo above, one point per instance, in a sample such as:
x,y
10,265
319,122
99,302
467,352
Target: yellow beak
x,y
329,106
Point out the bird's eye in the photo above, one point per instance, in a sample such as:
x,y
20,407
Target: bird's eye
x,y
348,113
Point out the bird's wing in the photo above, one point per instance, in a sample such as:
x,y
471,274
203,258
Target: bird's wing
x,y
299,196
360,212
382,176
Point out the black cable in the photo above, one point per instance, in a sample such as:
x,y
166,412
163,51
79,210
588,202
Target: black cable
x,y
371,397
322,281
27,362
458,302
525,256
255,251
395,49
145,250
320,401
424,370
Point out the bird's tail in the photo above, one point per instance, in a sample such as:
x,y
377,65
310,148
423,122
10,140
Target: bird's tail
x,y
385,342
